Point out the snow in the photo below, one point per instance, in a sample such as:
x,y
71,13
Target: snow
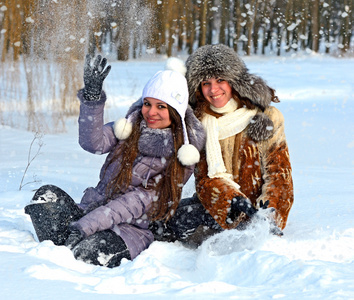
x,y
313,260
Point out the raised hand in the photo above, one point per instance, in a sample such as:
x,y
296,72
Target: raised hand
x,y
94,76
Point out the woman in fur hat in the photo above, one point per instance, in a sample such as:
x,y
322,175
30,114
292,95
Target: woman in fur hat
x,y
151,154
245,165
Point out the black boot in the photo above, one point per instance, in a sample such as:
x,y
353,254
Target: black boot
x,y
51,211
104,248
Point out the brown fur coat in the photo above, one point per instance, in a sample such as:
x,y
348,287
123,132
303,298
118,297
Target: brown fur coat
x,y
258,157
261,168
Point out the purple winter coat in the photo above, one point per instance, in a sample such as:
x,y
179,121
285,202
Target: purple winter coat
x,y
126,214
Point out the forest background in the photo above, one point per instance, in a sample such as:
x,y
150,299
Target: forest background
x,y
43,42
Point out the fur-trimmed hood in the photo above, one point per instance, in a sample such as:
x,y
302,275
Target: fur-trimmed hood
x,y
221,61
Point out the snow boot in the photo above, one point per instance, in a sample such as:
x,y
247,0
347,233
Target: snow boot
x,y
51,211
104,248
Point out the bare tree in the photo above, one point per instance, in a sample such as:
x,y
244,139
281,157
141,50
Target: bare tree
x,y
190,25
156,38
203,22
267,24
346,27
327,20
316,25
237,21
252,14
224,20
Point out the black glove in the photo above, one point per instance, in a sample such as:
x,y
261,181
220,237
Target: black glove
x,y
241,204
74,238
264,205
94,77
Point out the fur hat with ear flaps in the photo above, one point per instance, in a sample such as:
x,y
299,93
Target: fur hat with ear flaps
x,y
170,87
220,61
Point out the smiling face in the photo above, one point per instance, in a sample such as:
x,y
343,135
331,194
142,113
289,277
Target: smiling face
x,y
216,91
155,113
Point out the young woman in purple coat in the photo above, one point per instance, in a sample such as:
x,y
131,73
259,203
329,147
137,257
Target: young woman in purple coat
x,y
151,155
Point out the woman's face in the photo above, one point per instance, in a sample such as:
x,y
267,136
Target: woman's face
x,y
155,113
216,91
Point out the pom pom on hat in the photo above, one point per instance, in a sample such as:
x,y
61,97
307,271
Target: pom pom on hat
x,y
176,64
122,128
188,155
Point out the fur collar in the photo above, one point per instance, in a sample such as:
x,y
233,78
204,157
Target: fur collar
x,y
155,142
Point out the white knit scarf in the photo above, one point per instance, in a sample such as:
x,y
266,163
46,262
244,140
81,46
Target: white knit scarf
x,y
233,121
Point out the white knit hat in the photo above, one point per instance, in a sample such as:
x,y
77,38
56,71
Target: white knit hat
x,y
170,87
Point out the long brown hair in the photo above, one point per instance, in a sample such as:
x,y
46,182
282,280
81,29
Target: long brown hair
x,y
169,187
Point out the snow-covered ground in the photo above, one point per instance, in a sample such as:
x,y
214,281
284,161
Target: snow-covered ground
x,y
313,260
